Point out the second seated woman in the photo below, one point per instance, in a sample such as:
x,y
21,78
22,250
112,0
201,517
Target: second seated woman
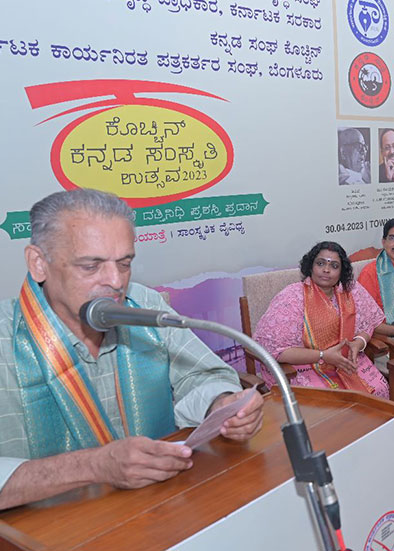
x,y
322,324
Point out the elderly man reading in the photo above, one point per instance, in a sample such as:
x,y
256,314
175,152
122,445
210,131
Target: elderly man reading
x,y
78,406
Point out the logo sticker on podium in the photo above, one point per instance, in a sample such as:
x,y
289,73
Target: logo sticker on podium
x,y
381,537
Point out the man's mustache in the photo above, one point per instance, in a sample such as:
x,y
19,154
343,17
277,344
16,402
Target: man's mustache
x,y
107,292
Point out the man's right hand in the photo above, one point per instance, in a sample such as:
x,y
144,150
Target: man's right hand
x,y
389,164
135,462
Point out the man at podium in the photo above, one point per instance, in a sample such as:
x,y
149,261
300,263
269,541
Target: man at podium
x,y
79,406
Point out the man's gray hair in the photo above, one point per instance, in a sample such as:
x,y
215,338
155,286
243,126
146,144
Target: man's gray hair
x,y
45,215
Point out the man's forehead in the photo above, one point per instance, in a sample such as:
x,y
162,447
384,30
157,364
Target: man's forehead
x,y
91,220
84,214
86,234
388,136
352,136
391,231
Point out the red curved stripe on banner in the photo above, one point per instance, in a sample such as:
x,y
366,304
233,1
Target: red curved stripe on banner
x,y
42,95
107,102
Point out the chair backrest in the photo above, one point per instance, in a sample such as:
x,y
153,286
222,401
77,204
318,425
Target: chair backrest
x,y
260,289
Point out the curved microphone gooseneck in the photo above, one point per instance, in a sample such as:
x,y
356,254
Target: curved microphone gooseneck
x,y
310,468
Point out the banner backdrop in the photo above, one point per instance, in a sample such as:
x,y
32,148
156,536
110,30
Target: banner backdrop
x,y
241,133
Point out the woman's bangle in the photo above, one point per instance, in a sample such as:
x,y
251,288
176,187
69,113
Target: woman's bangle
x,y
364,341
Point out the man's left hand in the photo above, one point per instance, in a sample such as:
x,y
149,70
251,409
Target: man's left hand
x,y
248,420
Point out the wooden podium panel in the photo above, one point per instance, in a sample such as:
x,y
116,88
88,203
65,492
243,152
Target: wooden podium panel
x,y
225,477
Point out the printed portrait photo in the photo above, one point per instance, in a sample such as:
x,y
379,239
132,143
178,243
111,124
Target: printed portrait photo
x,y
354,156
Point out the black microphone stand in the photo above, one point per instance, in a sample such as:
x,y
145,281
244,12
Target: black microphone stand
x,y
310,468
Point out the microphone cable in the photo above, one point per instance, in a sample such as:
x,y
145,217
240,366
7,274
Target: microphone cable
x,y
341,541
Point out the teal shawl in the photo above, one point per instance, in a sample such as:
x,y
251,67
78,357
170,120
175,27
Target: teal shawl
x,y
385,272
61,408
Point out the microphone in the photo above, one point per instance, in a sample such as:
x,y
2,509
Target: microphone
x,y
310,468
103,313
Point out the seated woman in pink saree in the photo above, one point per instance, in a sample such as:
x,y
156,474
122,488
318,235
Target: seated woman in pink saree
x,y
322,325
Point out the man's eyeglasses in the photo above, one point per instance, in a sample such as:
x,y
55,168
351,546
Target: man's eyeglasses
x,y
359,146
390,237
389,147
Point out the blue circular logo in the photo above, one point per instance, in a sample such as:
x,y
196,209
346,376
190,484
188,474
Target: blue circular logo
x,y
368,20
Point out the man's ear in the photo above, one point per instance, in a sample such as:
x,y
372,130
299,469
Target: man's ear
x,y
36,263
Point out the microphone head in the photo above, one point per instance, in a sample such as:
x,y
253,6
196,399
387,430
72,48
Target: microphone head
x,y
103,313
83,312
91,312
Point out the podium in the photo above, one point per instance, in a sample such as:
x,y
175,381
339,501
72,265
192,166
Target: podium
x,y
235,494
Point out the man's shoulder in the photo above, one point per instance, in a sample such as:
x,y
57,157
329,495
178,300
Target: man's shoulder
x,y
369,269
144,296
368,279
7,306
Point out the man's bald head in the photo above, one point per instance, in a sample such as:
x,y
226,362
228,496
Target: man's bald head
x,y
352,149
